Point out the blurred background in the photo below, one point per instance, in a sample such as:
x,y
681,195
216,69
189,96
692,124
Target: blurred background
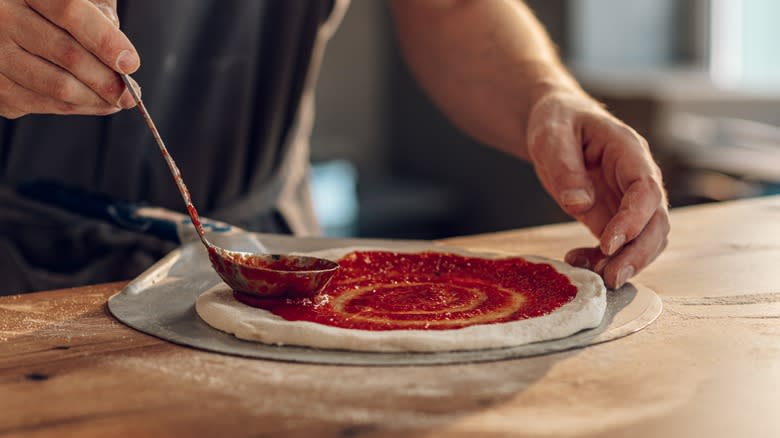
x,y
700,79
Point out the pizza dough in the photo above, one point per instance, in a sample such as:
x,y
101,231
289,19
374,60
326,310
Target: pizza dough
x,y
219,309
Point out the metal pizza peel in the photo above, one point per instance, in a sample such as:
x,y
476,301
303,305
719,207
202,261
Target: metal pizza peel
x,y
161,303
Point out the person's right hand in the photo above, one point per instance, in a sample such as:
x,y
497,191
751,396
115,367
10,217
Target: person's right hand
x,y
62,57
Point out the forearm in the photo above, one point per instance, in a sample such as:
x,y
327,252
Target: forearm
x,y
484,62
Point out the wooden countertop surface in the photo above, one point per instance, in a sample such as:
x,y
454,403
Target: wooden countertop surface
x,y
709,366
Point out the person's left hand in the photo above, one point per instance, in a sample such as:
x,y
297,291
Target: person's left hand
x,y
600,171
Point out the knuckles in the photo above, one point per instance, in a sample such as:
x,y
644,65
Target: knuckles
x,y
110,90
549,131
106,45
70,55
651,187
545,135
68,12
61,88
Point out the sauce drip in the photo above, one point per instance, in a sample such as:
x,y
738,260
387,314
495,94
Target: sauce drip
x,y
382,290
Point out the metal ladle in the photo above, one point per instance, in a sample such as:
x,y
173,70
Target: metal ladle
x,y
265,275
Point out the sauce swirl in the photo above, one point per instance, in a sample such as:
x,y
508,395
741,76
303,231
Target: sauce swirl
x,y
383,290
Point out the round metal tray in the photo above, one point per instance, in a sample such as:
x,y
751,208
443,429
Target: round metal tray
x,y
161,303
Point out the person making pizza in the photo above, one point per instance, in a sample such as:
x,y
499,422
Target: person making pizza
x,y
230,85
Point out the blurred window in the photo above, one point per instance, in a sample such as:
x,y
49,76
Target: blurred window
x,y
744,49
736,40
634,34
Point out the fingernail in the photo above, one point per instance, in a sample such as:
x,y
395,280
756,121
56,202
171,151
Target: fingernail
x,y
127,62
576,198
615,243
580,261
599,268
623,276
126,101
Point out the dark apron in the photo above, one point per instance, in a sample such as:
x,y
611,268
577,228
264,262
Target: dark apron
x,y
227,84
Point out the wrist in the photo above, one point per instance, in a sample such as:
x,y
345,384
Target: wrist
x,y
555,83
554,108
548,86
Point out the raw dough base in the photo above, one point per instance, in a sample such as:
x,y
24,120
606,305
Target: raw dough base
x,y
219,309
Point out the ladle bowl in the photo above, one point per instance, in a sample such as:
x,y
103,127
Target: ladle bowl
x,y
272,275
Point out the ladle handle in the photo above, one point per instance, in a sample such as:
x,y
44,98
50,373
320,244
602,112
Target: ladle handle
x,y
185,194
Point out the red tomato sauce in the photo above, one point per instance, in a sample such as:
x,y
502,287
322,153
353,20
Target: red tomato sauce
x,y
382,290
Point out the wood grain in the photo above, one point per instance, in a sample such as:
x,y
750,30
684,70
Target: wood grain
x,y
710,366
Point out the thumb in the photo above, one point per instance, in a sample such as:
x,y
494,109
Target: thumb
x,y
557,156
108,8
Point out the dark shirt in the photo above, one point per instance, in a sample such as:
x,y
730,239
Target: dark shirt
x,y
223,81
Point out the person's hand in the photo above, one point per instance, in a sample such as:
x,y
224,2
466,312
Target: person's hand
x,y
62,57
601,172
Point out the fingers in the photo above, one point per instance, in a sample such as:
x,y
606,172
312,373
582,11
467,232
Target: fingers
x,y
601,172
55,45
61,57
92,29
629,173
586,258
637,206
639,253
635,256
606,204
30,102
33,73
557,156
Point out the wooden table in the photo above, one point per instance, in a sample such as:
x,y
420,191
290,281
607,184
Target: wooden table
x,y
709,366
